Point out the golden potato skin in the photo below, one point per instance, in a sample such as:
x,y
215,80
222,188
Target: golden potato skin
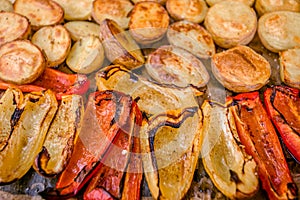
x,y
280,30
191,37
231,23
148,22
120,47
290,67
21,62
241,69
191,10
13,26
266,6
55,41
116,10
40,12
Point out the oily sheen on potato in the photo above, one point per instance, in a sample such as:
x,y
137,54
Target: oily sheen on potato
x,y
241,69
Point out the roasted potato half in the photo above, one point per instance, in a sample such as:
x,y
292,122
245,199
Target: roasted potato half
x,y
55,41
61,136
21,62
6,5
32,122
279,31
80,29
13,26
231,23
40,12
191,37
230,168
158,1
148,22
213,2
119,46
241,69
191,10
172,65
116,10
76,10
266,6
290,67
86,55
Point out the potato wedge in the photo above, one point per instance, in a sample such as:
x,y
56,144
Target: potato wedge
x,y
27,137
279,31
290,67
191,37
55,41
76,10
61,136
172,65
40,12
170,144
241,69
86,55
231,23
213,2
119,46
6,5
13,26
148,22
266,6
230,168
9,102
21,62
80,29
116,10
191,10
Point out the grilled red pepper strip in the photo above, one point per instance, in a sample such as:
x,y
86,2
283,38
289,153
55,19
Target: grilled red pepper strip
x,y
106,114
259,137
113,168
283,106
59,82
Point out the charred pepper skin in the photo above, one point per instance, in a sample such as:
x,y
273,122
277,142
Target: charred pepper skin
x,y
59,82
260,139
283,106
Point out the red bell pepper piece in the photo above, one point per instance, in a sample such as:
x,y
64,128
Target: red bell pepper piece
x,y
283,106
59,82
120,172
259,137
106,114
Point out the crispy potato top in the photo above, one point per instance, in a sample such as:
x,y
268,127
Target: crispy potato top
x,y
40,12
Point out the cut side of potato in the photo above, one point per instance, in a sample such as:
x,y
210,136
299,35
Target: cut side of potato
x,y
21,62
158,1
231,23
27,137
213,2
76,10
80,29
241,69
232,171
61,136
86,55
55,41
13,26
172,65
266,6
6,5
290,67
279,31
116,10
40,12
191,10
119,46
148,22
191,37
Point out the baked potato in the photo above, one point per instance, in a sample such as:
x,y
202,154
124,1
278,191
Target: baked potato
x,y
266,6
80,29
6,5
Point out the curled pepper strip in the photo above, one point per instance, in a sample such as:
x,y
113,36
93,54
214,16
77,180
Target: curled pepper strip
x,y
283,106
258,134
59,82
